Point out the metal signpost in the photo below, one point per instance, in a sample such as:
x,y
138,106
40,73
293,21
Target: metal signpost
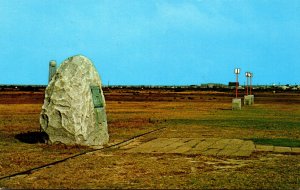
x,y
237,72
248,74
236,102
251,75
249,98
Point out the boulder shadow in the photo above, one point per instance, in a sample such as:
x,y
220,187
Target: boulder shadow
x,y
32,137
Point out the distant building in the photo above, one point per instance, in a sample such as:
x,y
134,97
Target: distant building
x,y
232,85
213,85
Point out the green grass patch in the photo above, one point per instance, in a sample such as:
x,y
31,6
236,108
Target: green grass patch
x,y
277,142
258,123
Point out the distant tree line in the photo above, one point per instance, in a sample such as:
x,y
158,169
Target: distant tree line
x,y
181,88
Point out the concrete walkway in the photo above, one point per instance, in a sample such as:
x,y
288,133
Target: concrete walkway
x,y
204,146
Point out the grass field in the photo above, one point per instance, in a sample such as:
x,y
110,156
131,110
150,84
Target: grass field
x,y
273,119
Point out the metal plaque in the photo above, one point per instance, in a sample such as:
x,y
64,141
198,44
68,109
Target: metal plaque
x,y
97,98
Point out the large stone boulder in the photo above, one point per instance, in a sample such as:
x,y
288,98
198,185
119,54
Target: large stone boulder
x,y
74,105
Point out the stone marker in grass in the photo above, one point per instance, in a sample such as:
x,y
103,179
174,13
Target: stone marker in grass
x,y
247,100
236,104
252,99
74,105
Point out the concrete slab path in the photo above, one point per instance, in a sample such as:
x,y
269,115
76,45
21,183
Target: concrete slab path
x,y
206,146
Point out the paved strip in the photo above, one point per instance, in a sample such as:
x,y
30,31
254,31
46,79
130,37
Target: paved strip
x,y
188,145
220,144
211,152
247,145
296,150
264,148
202,146
243,153
232,147
282,149
207,146
227,152
171,146
216,147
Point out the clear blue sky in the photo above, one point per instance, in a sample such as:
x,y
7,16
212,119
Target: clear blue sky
x,y
157,42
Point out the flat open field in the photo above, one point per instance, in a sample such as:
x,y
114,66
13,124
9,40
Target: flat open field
x,y
274,119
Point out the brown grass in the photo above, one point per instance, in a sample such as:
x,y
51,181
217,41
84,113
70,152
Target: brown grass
x,y
130,113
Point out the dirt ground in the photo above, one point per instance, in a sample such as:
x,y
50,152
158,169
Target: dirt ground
x,y
186,114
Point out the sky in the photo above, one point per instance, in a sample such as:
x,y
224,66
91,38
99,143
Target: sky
x,y
153,42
